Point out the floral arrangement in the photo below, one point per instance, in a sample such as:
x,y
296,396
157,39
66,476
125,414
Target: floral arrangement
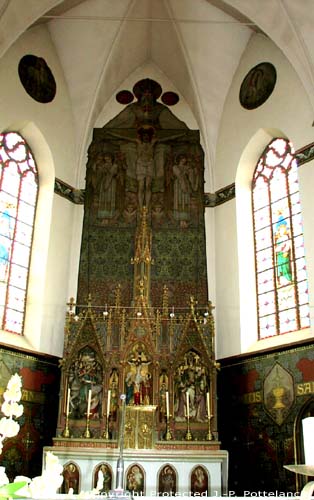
x,y
10,409
9,427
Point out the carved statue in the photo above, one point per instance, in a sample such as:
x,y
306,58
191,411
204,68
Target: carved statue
x,y
138,378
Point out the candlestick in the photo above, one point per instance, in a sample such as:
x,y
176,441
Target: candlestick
x,y
87,433
89,401
108,404
68,402
167,404
187,405
168,431
66,431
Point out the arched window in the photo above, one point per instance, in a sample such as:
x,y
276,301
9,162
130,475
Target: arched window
x,y
282,289
18,197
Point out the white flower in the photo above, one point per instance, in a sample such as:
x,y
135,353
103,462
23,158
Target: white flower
x,y
3,477
8,427
12,409
23,492
12,395
15,383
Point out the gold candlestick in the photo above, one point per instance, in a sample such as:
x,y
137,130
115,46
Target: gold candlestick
x,y
168,431
209,436
106,434
87,433
66,431
188,434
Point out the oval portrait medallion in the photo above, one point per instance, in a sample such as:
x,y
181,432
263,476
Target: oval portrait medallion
x,y
258,85
37,78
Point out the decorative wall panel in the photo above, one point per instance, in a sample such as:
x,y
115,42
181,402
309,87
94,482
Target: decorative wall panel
x,y
261,399
22,454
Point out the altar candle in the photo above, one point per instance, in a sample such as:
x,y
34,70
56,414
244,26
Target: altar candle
x,y
167,404
108,403
208,404
308,439
187,405
89,401
68,402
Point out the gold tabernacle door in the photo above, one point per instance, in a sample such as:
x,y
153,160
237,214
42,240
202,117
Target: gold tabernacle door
x,y
139,428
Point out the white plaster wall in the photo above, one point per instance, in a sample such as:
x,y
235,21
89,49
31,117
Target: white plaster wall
x,y
49,130
227,281
243,136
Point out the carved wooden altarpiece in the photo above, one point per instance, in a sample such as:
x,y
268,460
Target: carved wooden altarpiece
x,y
142,325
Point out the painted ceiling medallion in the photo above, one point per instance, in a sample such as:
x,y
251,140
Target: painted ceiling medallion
x,y
37,78
170,98
124,97
145,88
258,85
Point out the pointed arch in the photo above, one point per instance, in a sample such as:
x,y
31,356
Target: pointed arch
x,y
200,481
34,304
246,257
167,477
72,477
135,479
102,478
281,280
18,202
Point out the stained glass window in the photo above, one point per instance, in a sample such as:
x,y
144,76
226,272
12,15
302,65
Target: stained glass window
x,y
282,289
18,197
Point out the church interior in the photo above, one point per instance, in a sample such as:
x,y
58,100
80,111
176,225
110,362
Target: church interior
x,y
156,243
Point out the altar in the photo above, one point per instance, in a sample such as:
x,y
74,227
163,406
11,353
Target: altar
x,y
139,344
170,470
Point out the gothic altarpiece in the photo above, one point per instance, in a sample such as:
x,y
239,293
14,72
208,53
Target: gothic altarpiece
x,y
142,325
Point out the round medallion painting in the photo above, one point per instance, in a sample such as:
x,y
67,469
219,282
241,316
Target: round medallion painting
x,y
37,78
258,85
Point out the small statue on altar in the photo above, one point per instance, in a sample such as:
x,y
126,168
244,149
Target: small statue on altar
x,y
138,378
163,388
137,384
113,386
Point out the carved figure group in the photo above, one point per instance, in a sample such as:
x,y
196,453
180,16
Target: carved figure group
x,y
138,162
138,378
85,375
191,377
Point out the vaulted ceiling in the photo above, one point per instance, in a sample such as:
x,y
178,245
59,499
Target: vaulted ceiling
x,y
196,44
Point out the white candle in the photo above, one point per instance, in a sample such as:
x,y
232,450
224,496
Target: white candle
x,y
108,403
187,405
167,404
208,405
68,402
89,401
308,440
